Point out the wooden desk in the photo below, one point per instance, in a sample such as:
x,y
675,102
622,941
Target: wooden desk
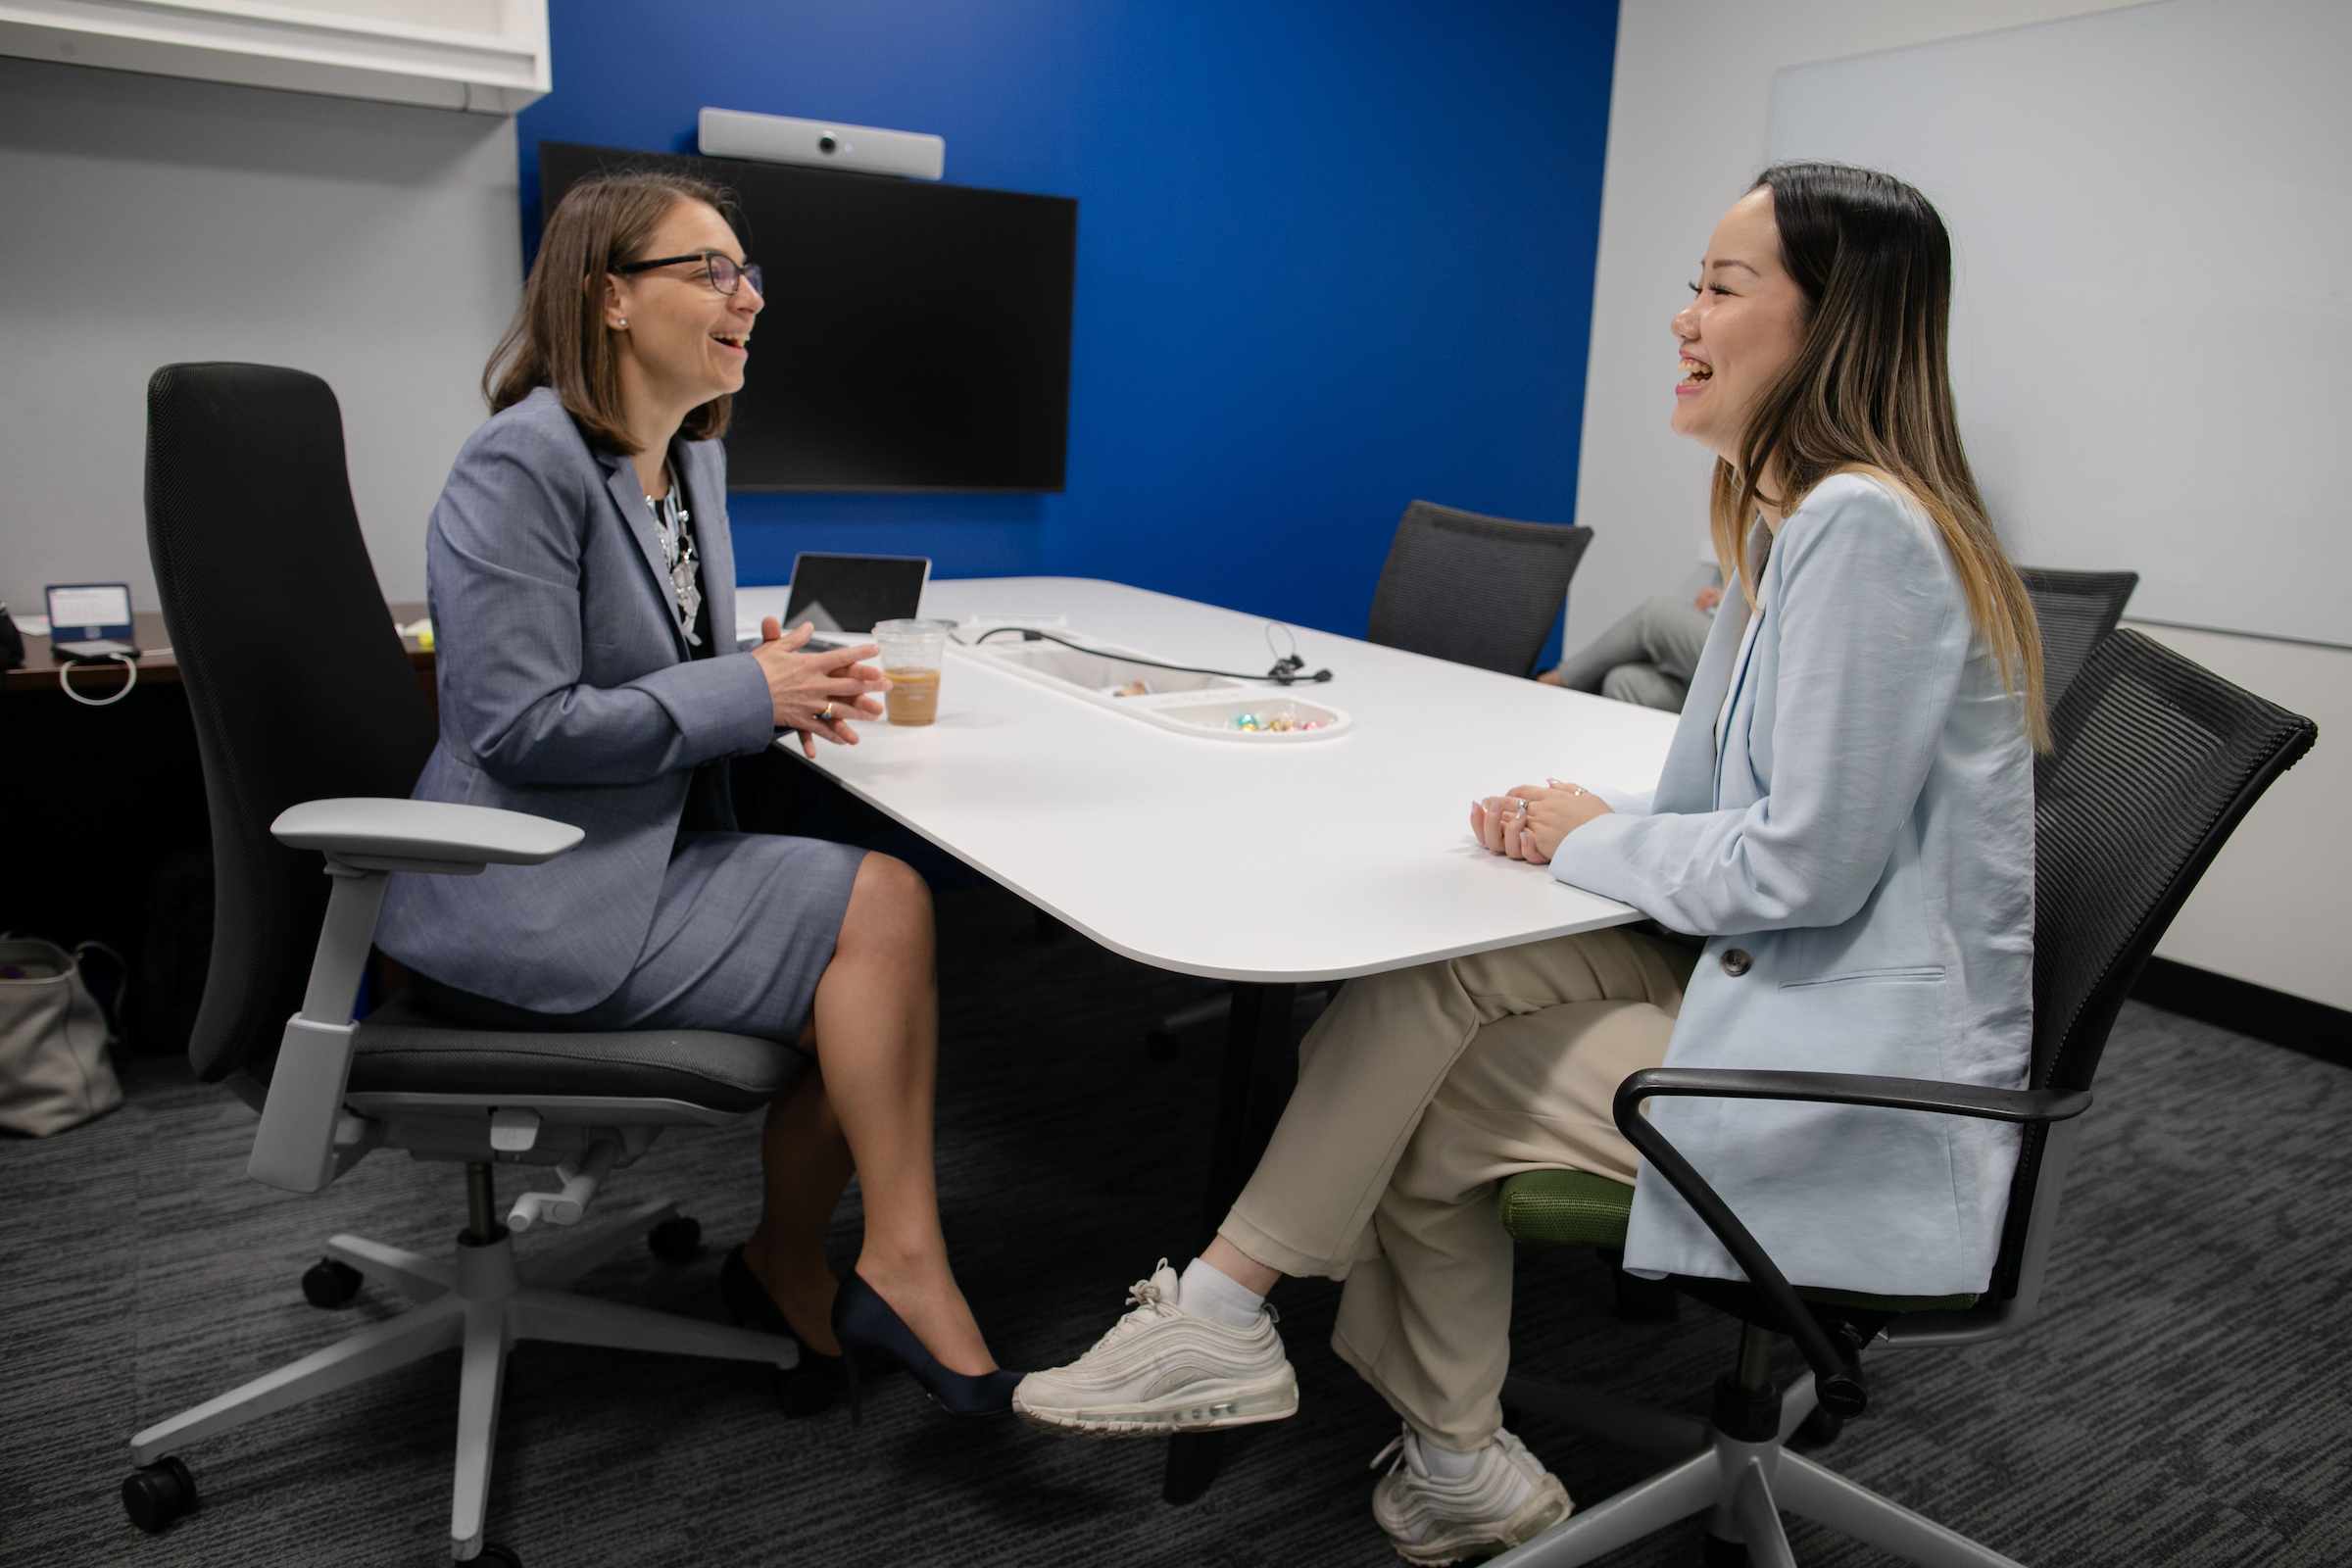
x,y
157,667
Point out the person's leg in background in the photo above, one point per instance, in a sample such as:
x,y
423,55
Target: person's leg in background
x,y
1646,685
1657,647
1674,633
1583,671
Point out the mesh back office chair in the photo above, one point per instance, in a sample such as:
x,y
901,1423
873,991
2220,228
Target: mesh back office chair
x,y
2157,761
313,729
1483,591
2074,609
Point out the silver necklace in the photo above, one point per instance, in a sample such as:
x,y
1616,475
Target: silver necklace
x,y
670,518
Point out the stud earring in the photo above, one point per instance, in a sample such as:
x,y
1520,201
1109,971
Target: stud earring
x,y
624,323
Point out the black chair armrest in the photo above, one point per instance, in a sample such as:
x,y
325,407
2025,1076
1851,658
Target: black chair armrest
x,y
1856,1089
1837,1378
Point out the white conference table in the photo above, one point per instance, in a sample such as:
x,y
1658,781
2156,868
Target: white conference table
x,y
1266,864
1244,860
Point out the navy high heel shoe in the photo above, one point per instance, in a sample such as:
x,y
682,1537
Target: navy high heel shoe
x,y
815,1386
863,1321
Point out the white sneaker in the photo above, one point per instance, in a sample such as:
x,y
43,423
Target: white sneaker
x,y
1160,1369
1506,1500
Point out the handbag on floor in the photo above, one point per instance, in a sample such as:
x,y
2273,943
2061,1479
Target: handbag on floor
x,y
54,1036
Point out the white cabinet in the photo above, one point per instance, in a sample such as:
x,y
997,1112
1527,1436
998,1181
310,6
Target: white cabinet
x,y
488,56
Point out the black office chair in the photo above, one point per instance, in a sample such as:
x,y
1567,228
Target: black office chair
x,y
2157,761
2074,609
313,728
1483,591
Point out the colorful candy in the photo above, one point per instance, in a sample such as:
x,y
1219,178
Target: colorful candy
x,y
1274,723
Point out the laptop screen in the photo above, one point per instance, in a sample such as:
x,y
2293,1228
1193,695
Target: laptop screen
x,y
851,593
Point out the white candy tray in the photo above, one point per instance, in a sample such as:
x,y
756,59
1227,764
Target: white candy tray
x,y
1204,707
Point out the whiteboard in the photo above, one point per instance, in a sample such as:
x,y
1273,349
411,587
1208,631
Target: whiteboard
x,y
2151,217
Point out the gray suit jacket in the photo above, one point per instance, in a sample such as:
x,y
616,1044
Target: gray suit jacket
x,y
566,692
1865,835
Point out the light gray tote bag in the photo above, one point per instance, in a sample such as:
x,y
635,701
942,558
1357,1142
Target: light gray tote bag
x,y
54,1071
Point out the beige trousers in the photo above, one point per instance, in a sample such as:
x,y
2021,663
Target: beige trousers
x,y
1420,1089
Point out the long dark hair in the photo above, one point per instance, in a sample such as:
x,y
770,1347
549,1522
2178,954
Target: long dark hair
x,y
1871,392
559,338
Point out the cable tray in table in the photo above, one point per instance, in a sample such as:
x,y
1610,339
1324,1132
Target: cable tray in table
x,y
1136,683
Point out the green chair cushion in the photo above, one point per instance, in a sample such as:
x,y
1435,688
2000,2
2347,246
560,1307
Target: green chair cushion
x,y
1566,1209
1576,1208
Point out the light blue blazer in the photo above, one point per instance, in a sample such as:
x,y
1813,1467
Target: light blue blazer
x,y
566,692
1865,835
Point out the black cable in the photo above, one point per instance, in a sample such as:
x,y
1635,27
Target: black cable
x,y
1286,672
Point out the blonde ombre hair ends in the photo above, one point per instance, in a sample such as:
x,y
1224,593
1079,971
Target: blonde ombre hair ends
x,y
1870,392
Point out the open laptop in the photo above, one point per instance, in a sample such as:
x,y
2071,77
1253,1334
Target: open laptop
x,y
844,596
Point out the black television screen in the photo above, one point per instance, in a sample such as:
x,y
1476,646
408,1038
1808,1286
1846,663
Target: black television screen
x,y
916,335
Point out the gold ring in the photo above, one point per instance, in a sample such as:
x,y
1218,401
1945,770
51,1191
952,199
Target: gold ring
x,y
827,715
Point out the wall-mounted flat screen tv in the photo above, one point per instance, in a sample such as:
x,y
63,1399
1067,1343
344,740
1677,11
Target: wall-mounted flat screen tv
x,y
916,335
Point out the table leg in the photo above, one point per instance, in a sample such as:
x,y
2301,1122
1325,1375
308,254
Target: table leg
x,y
1261,1068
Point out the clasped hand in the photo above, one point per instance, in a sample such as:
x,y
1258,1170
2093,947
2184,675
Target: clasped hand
x,y
806,687
1528,823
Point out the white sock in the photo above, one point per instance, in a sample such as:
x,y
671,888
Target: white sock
x,y
1445,1463
1204,1291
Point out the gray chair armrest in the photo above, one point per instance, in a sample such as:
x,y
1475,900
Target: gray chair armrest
x,y
389,835
362,839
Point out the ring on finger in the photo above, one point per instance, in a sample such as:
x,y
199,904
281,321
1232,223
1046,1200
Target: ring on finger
x,y
827,715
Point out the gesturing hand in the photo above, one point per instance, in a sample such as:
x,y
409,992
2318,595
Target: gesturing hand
x,y
1529,823
815,693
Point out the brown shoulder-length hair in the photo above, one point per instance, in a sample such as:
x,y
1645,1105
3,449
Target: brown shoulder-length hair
x,y
1871,392
559,338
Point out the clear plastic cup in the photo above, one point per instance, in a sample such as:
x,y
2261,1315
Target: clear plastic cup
x,y
911,652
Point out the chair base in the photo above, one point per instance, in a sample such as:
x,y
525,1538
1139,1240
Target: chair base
x,y
1741,1487
481,1302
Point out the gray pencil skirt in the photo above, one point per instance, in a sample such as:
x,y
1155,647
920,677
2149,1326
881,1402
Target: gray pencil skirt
x,y
742,932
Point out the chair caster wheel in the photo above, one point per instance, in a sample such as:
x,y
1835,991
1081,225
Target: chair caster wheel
x,y
678,1240
1818,1430
330,1283
498,1556
1721,1553
157,1495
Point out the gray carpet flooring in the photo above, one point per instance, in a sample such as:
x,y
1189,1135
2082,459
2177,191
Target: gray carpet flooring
x,y
2186,1401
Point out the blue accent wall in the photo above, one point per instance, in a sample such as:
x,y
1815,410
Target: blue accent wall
x,y
1333,254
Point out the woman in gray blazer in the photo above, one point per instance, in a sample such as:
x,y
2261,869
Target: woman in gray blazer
x,y
582,587
1843,827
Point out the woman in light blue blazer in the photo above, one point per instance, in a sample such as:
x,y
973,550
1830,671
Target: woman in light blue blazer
x,y
582,587
1844,833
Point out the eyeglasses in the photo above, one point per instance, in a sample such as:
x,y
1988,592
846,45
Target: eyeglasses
x,y
725,276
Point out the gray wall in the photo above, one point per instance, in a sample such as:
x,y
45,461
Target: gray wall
x,y
150,220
